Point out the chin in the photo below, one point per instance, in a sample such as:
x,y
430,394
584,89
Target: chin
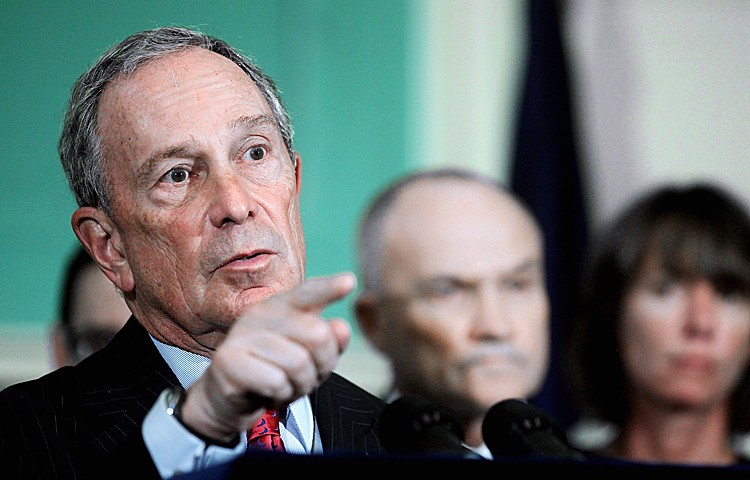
x,y
251,296
688,397
492,395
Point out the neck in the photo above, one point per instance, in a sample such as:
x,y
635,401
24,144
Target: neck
x,y
473,433
682,436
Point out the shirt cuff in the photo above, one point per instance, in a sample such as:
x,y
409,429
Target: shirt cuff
x,y
174,449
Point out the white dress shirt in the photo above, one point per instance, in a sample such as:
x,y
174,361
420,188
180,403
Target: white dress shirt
x,y
175,450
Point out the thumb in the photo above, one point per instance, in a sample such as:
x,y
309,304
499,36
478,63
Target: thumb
x,y
342,332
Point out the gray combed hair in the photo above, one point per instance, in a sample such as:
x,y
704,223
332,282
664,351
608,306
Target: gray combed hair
x,y
80,146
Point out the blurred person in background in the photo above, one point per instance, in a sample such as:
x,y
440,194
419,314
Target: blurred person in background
x,y
92,310
658,356
453,293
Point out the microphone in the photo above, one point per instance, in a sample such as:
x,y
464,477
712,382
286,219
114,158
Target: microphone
x,y
516,428
411,424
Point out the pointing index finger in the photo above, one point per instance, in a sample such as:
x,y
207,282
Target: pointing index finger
x,y
315,294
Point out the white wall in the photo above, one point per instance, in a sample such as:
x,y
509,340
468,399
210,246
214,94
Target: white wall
x,y
663,89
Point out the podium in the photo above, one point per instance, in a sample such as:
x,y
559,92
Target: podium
x,y
431,466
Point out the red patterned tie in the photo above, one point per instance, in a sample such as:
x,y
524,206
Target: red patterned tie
x,y
265,434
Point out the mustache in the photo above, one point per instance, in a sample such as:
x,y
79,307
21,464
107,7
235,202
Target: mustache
x,y
504,350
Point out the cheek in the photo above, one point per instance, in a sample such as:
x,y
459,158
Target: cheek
x,y
281,203
737,344
539,346
425,328
427,348
160,240
295,225
532,323
161,231
642,338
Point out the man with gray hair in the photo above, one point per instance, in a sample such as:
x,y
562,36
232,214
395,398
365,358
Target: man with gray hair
x,y
454,293
179,152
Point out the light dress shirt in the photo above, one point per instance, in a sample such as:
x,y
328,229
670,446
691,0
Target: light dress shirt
x,y
175,450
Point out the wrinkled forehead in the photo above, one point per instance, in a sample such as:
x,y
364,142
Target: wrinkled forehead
x,y
451,205
189,76
461,226
191,96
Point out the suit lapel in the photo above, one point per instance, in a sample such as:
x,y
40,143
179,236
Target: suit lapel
x,y
346,416
120,383
120,386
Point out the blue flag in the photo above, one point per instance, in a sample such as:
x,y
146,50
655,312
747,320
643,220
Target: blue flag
x,y
545,173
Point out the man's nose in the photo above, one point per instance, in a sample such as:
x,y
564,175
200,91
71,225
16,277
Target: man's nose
x,y
491,316
232,198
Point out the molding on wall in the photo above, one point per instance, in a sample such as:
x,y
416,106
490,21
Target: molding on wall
x,y
24,353
468,59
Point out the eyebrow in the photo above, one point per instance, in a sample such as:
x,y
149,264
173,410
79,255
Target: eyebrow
x,y
247,121
188,148
531,265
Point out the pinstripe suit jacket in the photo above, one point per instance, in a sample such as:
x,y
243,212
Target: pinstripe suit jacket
x,y
84,421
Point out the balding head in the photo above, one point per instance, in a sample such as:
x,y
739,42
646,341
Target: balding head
x,y
421,195
454,291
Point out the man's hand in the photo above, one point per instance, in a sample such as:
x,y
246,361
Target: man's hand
x,y
277,351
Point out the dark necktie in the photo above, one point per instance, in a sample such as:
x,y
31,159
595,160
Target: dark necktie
x,y
265,434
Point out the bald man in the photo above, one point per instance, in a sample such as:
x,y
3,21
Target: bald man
x,y
453,293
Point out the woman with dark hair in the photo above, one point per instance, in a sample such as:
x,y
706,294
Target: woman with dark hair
x,y
660,348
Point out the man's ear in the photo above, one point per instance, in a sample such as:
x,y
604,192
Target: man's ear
x,y
298,171
100,237
365,308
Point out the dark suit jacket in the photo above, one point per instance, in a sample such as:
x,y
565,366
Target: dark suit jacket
x,y
85,421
